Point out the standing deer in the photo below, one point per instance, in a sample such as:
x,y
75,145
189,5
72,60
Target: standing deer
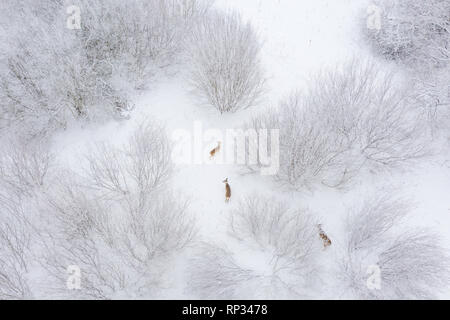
x,y
227,190
213,152
324,237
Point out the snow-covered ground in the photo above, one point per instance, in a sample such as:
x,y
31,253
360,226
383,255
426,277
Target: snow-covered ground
x,y
300,38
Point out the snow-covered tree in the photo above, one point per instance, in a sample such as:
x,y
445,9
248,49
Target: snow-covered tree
x,y
408,263
350,118
413,31
24,167
51,74
117,221
215,274
15,244
416,34
287,239
225,69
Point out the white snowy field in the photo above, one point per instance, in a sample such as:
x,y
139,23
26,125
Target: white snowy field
x,y
300,38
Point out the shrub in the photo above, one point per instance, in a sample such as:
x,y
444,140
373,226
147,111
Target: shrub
x,y
225,67
118,221
411,263
432,94
350,118
24,167
214,274
15,242
413,32
416,34
143,164
51,74
286,233
288,241
137,37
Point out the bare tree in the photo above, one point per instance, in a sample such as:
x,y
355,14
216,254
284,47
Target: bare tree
x,y
351,118
47,78
214,274
25,166
416,34
225,69
432,93
287,238
118,222
411,263
289,234
309,152
413,32
51,75
143,165
138,38
383,211
427,264
24,178
163,227
15,240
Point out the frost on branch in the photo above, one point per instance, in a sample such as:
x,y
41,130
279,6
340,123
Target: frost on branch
x,y
225,69
118,221
24,167
414,32
411,263
351,118
15,242
51,74
215,274
285,243
287,233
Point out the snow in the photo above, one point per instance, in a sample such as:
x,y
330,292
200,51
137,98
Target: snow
x,y
300,38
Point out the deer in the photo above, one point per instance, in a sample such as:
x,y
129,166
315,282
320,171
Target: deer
x,y
324,237
213,152
227,190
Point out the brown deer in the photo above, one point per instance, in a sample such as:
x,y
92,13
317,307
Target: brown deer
x,y
213,152
227,190
324,237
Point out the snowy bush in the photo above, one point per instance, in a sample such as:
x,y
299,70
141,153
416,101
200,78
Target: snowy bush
x,y
46,78
432,94
413,31
286,239
52,74
24,177
417,34
309,151
288,234
137,37
116,249
225,69
215,274
350,118
24,166
118,221
15,241
411,263
142,165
